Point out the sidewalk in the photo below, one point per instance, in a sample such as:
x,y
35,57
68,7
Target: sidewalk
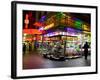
x,y
78,62
31,61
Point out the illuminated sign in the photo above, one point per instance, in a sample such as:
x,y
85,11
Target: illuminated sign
x,y
31,31
78,24
49,26
60,33
26,21
38,24
85,27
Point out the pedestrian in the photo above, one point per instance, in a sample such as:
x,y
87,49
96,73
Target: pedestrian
x,y
30,47
86,46
24,48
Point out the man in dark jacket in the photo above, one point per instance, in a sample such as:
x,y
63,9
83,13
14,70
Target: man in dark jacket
x,y
86,46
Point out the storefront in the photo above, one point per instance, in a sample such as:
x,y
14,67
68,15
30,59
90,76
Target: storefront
x,y
68,33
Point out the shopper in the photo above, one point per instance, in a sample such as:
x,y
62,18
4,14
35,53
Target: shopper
x,y
24,48
30,47
86,46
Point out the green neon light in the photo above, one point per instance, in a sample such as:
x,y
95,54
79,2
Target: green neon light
x,y
78,24
59,15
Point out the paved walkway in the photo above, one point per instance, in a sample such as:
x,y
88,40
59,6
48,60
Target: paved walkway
x,y
35,61
78,62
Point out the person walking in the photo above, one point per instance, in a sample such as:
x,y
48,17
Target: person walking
x,y
86,46
30,47
24,48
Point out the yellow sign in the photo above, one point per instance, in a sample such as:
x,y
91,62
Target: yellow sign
x,y
49,26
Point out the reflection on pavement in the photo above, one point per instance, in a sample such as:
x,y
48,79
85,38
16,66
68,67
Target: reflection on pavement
x,y
34,61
